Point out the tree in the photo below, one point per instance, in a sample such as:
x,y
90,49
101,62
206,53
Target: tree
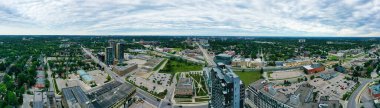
x,y
11,98
3,88
47,83
312,77
108,78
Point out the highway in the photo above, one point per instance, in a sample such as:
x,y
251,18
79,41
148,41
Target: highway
x,y
208,59
140,93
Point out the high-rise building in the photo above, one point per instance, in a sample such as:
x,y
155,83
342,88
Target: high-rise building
x,y
120,51
227,90
112,43
109,56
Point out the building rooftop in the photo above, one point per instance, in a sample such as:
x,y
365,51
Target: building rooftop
x,y
110,93
306,93
375,89
81,72
262,84
312,66
184,87
75,95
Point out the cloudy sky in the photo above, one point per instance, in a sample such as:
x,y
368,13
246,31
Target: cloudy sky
x,y
192,17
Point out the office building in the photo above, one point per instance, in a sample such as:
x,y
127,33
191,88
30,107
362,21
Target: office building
x,y
109,58
227,90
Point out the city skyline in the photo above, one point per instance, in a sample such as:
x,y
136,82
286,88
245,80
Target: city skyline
x,y
194,18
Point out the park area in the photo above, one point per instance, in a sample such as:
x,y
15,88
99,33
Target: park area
x,y
248,77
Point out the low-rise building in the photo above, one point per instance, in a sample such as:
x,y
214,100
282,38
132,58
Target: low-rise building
x,y
112,95
263,94
374,90
184,88
40,81
75,97
122,70
297,62
314,68
86,78
258,97
223,58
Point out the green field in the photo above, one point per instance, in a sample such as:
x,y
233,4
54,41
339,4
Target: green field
x,y
174,66
333,58
248,77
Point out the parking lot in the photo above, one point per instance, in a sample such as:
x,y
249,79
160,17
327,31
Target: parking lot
x,y
335,87
286,74
74,80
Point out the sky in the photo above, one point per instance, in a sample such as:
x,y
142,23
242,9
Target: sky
x,y
191,17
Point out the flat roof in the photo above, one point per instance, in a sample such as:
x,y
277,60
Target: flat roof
x,y
375,89
184,86
75,95
308,67
111,93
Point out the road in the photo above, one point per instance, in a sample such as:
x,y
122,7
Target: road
x,y
180,56
51,87
12,64
147,97
140,93
208,59
354,98
51,84
353,101
166,102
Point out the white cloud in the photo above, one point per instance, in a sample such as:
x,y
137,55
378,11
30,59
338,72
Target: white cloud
x,y
192,17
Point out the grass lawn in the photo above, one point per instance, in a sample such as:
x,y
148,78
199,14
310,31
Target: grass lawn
x,y
177,49
333,58
248,77
174,66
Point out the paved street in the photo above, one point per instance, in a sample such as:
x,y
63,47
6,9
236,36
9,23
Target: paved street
x,y
353,101
166,102
208,59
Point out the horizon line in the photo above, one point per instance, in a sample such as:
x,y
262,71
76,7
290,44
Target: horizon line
x,y
187,35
